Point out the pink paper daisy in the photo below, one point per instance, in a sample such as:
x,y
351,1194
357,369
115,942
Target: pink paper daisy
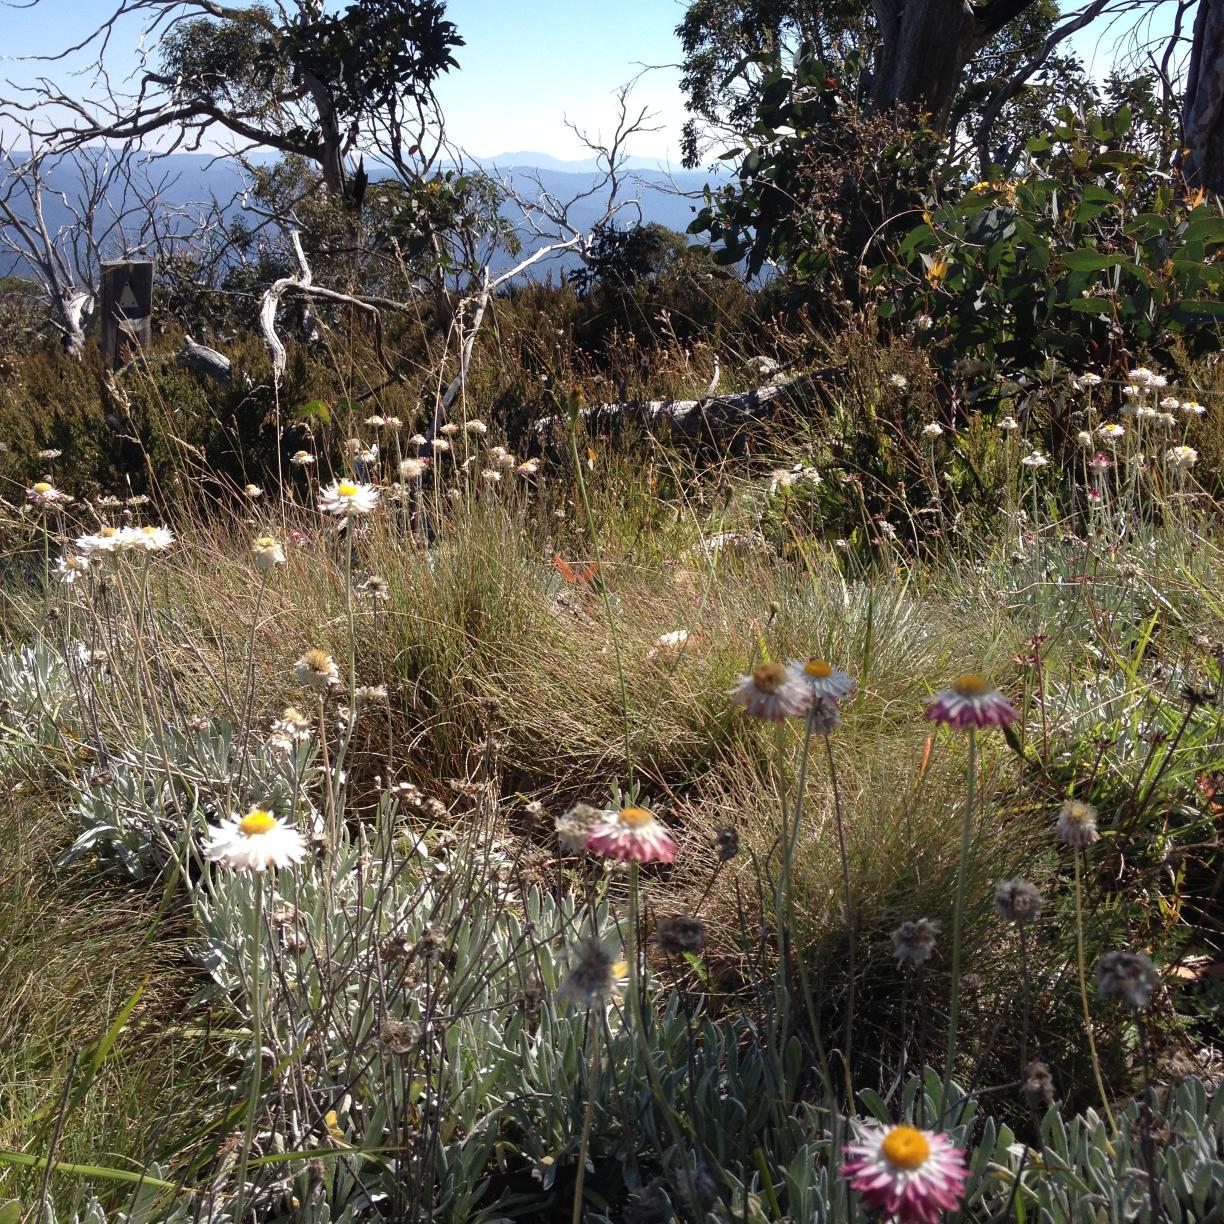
x,y
772,693
910,1175
970,702
632,834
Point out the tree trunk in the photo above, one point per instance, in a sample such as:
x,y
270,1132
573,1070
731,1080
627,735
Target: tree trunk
x,y
1203,111
924,46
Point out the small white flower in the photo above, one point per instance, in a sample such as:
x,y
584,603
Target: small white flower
x,y
70,568
344,497
1142,376
267,553
255,842
412,469
376,421
449,429
51,453
418,439
529,467
1130,391
672,641
1008,423
1035,460
822,679
1170,403
145,539
253,491
932,429
899,381
441,444
1111,432
476,427
302,458
1084,438
316,669
1194,407
104,540
490,476
1090,380
1181,457
369,694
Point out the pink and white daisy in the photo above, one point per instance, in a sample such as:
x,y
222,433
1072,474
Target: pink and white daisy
x,y
822,679
632,834
970,702
44,493
908,1174
772,693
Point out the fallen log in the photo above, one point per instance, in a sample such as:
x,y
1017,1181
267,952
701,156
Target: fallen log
x,y
714,414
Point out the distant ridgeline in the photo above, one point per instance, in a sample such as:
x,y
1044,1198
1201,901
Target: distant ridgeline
x,y
187,179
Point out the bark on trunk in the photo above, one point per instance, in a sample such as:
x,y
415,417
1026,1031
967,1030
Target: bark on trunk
x,y
1203,111
925,45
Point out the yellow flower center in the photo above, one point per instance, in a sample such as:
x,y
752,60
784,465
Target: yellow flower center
x,y
42,487
105,533
264,543
818,669
149,530
257,822
345,489
768,676
970,685
635,817
620,969
318,661
905,1148
1078,813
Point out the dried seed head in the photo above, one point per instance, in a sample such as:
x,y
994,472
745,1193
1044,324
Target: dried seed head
x,y
594,976
726,842
1018,900
399,1036
1129,976
577,825
914,941
1038,1086
649,1205
680,934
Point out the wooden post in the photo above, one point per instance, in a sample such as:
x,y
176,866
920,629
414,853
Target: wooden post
x,y
127,307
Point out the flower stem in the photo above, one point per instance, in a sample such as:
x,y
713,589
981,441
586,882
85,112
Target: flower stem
x,y
958,915
607,601
850,925
1083,985
257,1038
588,1112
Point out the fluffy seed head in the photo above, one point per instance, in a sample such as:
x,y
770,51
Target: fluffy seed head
x,y
1018,900
1129,976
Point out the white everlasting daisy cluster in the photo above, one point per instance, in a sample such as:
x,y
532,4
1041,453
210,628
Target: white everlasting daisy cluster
x,y
125,539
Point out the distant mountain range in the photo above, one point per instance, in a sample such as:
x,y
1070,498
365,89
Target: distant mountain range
x,y
191,181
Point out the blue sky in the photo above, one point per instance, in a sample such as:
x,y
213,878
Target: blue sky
x,y
527,66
